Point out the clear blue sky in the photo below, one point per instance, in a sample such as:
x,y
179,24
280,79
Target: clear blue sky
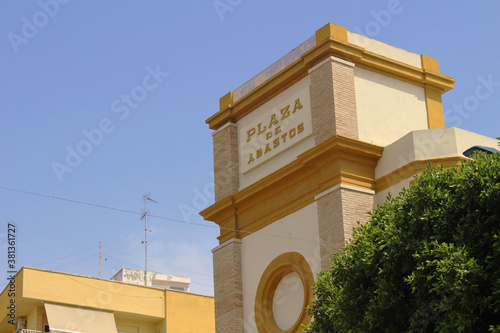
x,y
67,69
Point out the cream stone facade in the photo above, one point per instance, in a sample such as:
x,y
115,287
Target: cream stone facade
x,y
278,130
302,152
293,233
387,108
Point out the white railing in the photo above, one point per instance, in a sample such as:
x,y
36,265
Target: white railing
x,y
28,331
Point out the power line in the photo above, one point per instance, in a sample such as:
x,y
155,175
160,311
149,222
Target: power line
x,y
155,216
69,255
70,200
83,268
75,262
124,262
156,262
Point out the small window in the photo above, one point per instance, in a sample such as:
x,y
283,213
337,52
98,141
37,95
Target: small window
x,y
177,288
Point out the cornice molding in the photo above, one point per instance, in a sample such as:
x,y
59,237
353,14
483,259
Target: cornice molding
x,y
337,160
415,167
327,47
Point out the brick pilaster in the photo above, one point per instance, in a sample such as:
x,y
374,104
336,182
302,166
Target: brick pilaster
x,y
228,287
333,99
226,165
339,210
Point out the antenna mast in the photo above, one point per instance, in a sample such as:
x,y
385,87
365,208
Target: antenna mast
x,y
145,242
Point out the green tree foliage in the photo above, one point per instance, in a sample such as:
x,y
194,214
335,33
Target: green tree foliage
x,y
428,260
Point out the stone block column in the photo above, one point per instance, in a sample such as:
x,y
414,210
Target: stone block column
x,y
226,165
227,256
333,99
339,210
228,287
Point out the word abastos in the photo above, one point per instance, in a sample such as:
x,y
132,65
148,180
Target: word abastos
x,y
276,142
273,130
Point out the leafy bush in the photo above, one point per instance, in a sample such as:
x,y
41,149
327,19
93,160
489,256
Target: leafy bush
x,y
428,260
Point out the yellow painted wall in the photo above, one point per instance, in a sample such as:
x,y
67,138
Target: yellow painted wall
x,y
31,320
94,293
36,318
135,326
189,313
136,308
5,302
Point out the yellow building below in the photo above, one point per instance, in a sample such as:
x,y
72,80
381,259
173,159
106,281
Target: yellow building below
x,y
38,300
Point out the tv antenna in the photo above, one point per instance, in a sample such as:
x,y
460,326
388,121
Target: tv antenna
x,y
145,241
100,256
